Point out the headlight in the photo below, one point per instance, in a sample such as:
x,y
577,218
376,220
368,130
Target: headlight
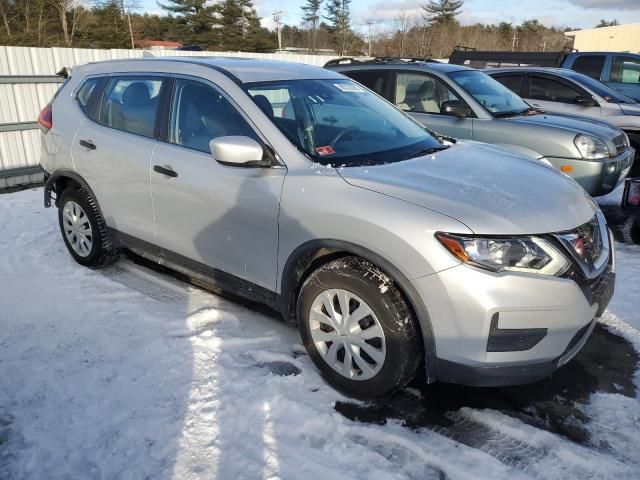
x,y
518,254
591,148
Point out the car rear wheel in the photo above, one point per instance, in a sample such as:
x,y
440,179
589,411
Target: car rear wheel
x,y
83,229
358,328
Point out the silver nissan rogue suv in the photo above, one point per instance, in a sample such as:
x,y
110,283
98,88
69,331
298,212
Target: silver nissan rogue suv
x,y
295,186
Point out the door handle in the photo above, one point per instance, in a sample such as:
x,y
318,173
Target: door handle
x,y
88,144
165,170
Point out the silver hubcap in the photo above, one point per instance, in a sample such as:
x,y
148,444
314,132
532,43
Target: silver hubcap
x,y
347,334
77,228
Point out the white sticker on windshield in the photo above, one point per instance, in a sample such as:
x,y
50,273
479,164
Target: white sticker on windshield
x,y
349,87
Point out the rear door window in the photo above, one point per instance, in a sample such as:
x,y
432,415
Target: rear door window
x,y
376,80
130,104
625,70
551,90
512,81
590,65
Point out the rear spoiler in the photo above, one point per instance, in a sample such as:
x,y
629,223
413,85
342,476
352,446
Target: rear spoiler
x,y
64,72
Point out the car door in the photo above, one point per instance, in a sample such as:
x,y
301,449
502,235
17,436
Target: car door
x,y
221,220
112,151
425,97
554,93
625,75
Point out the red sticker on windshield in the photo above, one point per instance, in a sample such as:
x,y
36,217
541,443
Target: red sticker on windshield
x,y
327,150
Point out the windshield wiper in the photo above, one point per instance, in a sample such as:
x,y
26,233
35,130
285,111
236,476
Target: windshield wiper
x,y
509,113
424,152
515,113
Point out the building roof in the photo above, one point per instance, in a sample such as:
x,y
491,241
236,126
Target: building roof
x,y
602,29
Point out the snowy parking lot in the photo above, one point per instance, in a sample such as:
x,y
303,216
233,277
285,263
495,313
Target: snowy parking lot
x,y
129,373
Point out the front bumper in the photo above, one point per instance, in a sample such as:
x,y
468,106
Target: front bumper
x,y
468,305
597,177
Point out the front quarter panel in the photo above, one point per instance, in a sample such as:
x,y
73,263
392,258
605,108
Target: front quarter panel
x,y
317,204
547,141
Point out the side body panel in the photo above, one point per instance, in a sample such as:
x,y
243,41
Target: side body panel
x,y
118,173
224,217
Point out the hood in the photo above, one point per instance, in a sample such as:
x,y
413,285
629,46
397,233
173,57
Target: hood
x,y
573,123
490,191
630,108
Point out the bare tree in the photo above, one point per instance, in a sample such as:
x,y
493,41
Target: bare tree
x,y
402,22
69,14
5,7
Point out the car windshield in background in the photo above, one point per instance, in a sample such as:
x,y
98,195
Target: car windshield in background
x,y
608,93
495,97
341,123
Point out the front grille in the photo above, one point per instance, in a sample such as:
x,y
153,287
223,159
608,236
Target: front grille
x,y
597,290
621,143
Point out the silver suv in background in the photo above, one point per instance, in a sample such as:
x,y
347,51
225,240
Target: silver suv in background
x,y
465,103
564,91
297,187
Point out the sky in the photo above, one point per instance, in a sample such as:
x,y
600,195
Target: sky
x,y
561,13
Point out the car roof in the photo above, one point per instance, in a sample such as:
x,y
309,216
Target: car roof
x,y
245,70
431,66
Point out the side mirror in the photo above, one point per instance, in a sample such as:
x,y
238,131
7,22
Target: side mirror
x,y
586,101
236,151
455,109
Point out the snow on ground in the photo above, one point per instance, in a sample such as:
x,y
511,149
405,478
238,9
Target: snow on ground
x,y
127,373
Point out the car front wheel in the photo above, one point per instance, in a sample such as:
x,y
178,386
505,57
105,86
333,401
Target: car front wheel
x,y
358,328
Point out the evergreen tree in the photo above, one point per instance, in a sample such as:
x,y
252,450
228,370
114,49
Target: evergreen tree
x,y
240,28
311,15
198,18
442,11
605,23
338,15
107,26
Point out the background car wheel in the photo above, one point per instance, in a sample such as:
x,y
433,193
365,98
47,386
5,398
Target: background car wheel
x,y
358,328
84,230
631,229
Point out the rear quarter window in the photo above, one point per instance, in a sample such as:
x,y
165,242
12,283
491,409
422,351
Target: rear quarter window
x,y
87,93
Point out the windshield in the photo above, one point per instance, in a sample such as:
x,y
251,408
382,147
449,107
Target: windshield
x,y
338,122
608,93
490,93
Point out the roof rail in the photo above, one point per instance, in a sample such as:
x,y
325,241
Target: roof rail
x,y
372,60
465,48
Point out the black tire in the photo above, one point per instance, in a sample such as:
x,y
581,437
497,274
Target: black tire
x,y
103,251
631,229
635,169
402,336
